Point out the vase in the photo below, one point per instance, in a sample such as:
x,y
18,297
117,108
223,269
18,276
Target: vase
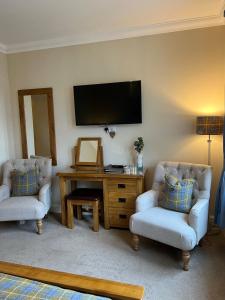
x,y
139,162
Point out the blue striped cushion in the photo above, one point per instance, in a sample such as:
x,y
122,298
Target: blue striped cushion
x,y
25,183
177,194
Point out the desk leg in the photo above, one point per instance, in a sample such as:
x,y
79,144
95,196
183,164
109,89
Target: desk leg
x,y
62,184
140,186
105,202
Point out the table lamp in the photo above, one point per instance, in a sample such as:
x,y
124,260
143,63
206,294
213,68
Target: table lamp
x,y
209,125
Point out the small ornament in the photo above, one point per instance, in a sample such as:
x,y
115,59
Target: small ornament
x,y
138,146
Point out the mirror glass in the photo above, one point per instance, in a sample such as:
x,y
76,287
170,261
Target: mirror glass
x,y
36,117
88,151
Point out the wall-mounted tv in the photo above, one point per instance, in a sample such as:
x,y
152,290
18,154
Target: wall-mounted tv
x,y
108,103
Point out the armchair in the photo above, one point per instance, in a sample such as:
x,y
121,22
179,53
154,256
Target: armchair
x,y
26,207
181,230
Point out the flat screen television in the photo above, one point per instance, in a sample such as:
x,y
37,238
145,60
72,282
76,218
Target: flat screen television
x,y
108,103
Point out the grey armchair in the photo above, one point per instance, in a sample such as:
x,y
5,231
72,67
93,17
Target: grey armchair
x,y
180,230
26,207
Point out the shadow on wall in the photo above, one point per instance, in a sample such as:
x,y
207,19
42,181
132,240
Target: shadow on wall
x,y
149,174
167,125
169,129
173,138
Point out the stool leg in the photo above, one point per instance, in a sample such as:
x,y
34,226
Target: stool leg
x,y
79,214
102,212
95,217
70,216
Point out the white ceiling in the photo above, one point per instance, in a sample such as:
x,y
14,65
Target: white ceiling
x,y
39,24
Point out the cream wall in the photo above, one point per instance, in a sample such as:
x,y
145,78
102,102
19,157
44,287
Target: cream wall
x,y
182,76
6,138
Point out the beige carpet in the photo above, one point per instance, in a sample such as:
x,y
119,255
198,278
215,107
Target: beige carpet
x,y
107,254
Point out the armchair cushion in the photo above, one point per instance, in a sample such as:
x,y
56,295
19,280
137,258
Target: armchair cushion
x,y
147,200
45,195
4,192
44,167
21,208
24,183
177,194
166,226
198,217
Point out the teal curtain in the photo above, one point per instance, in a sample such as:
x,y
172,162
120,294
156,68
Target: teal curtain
x,y
220,197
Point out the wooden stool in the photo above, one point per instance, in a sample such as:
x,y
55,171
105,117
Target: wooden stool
x,y
84,196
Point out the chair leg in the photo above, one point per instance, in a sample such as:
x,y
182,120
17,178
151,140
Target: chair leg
x,y
95,217
70,216
186,258
135,242
39,224
79,213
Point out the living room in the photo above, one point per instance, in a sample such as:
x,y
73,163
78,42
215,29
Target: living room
x,y
177,51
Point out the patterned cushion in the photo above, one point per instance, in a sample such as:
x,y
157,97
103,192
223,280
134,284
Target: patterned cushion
x,y
24,183
177,194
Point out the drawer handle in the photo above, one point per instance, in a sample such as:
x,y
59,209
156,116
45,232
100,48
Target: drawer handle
x,y
122,216
121,186
122,200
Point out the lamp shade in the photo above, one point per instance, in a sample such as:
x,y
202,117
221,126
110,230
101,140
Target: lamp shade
x,y
209,125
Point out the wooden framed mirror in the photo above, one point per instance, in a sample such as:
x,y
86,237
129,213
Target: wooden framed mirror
x,y
37,123
88,153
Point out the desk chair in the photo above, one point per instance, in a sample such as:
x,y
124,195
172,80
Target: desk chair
x,y
84,196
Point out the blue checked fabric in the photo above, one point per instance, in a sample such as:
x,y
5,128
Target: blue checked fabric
x,y
177,194
16,288
25,183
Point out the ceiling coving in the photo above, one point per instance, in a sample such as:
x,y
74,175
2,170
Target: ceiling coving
x,y
27,25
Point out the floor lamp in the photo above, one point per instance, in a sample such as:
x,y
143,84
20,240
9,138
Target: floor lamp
x,y
209,125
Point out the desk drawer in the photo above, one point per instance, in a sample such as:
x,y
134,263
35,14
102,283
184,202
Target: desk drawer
x,y
119,217
122,185
122,200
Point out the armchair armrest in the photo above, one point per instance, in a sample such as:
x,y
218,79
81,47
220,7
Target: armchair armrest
x,y
45,195
147,200
198,217
4,192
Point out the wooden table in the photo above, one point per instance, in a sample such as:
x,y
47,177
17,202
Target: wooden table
x,y
120,192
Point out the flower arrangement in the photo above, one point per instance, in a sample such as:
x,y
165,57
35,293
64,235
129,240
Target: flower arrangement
x,y
139,144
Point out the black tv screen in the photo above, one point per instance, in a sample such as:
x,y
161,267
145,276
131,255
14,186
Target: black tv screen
x,y
108,103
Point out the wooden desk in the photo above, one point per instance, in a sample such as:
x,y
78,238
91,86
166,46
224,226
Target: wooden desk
x,y
120,192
